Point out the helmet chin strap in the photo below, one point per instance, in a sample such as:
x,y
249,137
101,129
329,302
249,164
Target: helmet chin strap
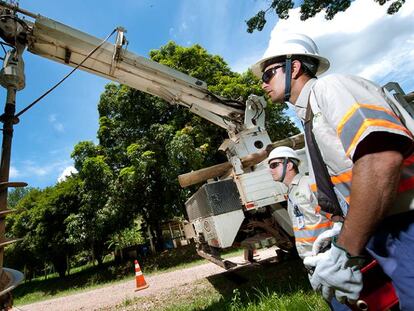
x,y
285,162
288,77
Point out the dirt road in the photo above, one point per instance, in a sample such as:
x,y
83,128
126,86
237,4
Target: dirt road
x,y
110,296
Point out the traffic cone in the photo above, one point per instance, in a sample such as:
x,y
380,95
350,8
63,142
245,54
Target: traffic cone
x,y
139,278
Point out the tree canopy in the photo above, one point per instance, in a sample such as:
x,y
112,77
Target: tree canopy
x,y
148,142
308,9
144,143
41,225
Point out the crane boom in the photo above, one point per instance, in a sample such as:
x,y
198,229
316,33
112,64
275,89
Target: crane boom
x,y
67,45
63,44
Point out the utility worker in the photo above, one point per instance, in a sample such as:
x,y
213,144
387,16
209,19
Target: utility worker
x,y
303,209
367,152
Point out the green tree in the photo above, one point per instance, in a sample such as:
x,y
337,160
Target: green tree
x,y
92,224
126,237
22,255
42,226
82,151
308,9
58,204
148,142
15,195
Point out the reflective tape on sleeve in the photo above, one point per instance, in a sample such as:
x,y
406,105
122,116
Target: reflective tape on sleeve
x,y
361,117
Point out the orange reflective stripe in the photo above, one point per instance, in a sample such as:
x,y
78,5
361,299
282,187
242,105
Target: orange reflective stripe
x,y
313,227
374,122
312,239
339,179
345,119
342,178
354,108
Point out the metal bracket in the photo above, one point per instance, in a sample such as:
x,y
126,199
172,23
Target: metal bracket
x,y
237,165
226,264
254,115
119,43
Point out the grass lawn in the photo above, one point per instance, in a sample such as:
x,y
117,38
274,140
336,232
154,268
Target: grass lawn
x,y
90,277
269,286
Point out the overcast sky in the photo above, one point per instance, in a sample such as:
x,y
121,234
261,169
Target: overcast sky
x,y
363,40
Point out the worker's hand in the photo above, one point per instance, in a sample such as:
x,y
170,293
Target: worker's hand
x,y
336,273
311,262
324,239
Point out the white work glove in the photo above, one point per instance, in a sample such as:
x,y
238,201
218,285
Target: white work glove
x,y
311,262
324,239
336,274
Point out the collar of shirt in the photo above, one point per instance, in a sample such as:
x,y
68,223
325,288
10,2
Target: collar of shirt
x,y
295,182
303,99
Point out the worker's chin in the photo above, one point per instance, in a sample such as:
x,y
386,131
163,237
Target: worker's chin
x,y
276,178
276,99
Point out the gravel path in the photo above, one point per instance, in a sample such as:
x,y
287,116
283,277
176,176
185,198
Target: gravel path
x,y
113,295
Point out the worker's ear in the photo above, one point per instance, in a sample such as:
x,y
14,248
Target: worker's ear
x,y
289,166
296,69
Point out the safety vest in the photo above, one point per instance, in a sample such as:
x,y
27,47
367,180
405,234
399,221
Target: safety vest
x,y
346,110
304,212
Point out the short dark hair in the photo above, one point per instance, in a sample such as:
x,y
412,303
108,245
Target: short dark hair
x,y
295,165
273,60
309,64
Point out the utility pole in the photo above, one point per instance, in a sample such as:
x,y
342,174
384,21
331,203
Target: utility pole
x,y
13,80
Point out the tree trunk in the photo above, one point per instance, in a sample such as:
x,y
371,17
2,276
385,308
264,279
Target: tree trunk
x,y
159,241
60,265
100,260
93,254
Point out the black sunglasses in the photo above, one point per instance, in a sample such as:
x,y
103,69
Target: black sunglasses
x,y
269,73
273,165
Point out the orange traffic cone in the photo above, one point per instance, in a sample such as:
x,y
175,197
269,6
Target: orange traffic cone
x,y
139,278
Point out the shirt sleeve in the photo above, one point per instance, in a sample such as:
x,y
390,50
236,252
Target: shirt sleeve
x,y
355,108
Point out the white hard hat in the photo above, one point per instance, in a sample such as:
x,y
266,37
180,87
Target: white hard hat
x,y
291,44
281,153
